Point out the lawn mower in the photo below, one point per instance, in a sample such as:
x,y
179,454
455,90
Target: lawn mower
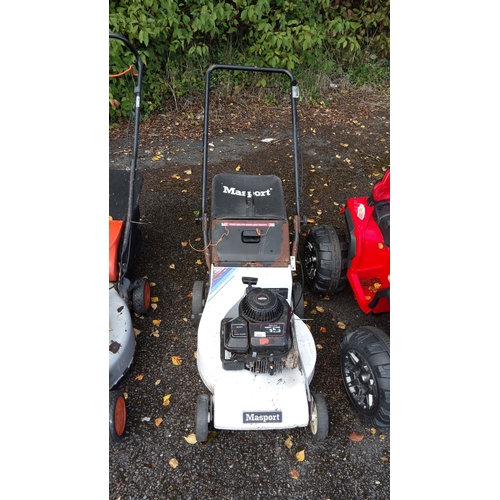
x,y
124,296
363,259
255,355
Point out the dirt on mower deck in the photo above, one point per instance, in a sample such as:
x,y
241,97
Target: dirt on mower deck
x,y
344,150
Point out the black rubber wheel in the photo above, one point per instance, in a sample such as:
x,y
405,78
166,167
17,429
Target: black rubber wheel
x,y
365,369
318,417
141,296
325,259
117,416
198,302
203,417
298,300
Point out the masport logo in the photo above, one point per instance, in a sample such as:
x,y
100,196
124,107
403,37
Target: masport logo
x,y
262,417
248,194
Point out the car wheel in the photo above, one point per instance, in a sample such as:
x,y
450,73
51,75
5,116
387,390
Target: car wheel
x,y
365,369
141,296
318,417
117,416
325,260
198,302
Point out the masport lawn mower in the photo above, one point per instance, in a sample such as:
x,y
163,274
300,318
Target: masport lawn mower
x,y
255,354
363,259
124,296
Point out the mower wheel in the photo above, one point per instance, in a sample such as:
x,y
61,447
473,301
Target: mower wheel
x,y
365,369
203,417
325,259
117,416
141,296
298,300
198,302
318,421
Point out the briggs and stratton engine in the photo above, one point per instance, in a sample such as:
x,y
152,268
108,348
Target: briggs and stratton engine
x,y
260,338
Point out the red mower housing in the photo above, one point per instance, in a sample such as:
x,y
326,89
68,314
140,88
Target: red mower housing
x,y
368,268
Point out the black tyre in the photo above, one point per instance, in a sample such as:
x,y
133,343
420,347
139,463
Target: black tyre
x,y
141,296
298,300
325,259
365,369
117,416
198,302
203,417
318,417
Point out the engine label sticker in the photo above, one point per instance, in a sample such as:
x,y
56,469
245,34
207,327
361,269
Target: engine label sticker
x,y
259,417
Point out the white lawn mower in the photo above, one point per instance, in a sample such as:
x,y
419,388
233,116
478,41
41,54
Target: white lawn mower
x,y
255,354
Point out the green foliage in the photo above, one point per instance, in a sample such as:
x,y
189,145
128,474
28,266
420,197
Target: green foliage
x,y
179,39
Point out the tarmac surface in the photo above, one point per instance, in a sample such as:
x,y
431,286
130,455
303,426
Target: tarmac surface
x,y
341,156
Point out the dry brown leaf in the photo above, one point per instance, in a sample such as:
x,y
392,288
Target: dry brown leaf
x,y
158,382
154,299
136,332
155,333
373,431
322,329
320,309
319,346
157,322
125,395
166,400
288,442
191,439
154,306
382,436
140,377
384,459
341,325
184,243
294,474
356,437
158,421
172,266
173,463
198,262
176,360
188,172
300,456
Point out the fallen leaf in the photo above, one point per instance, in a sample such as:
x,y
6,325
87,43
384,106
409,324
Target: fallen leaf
x,y
294,474
188,172
384,459
382,436
140,377
341,325
237,168
322,329
373,431
158,382
157,322
166,400
288,442
176,176
158,421
154,299
184,243
154,306
125,395
173,463
172,266
320,309
136,332
356,437
177,360
191,439
300,456
185,320
319,346
198,262
155,333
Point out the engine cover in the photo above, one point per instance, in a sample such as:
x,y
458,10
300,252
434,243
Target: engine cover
x,y
259,339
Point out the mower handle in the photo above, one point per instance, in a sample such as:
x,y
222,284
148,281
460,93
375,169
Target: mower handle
x,y
127,233
294,97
